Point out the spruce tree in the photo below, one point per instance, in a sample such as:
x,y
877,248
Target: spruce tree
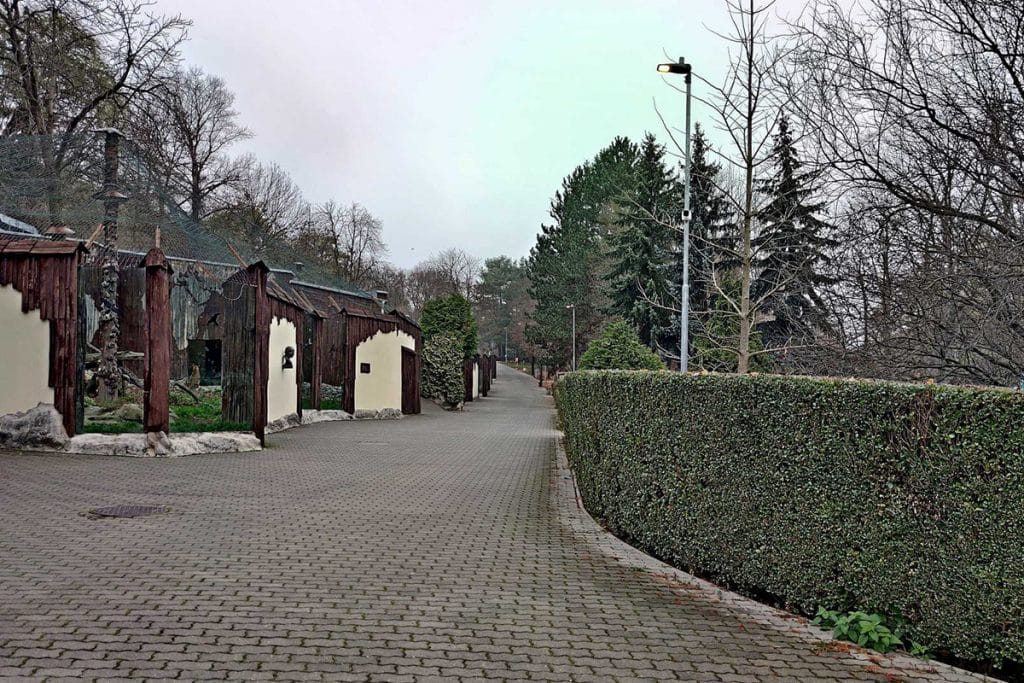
x,y
641,273
567,264
712,238
790,248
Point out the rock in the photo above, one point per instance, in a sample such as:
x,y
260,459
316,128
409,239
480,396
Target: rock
x,y
313,416
328,392
157,444
134,445
214,442
129,412
40,428
283,423
447,406
94,412
382,414
163,445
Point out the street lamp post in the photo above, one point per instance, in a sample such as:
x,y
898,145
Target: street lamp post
x,y
681,67
572,307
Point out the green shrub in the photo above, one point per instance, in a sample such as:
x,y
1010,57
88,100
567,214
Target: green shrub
x,y
895,499
442,378
619,348
451,316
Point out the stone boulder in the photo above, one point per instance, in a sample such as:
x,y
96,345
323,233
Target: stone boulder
x,y
314,416
38,429
382,414
283,423
162,445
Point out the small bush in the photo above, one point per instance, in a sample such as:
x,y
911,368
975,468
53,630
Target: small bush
x,y
893,499
442,378
619,348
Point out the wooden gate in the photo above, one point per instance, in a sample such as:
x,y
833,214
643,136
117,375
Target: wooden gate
x,y
410,385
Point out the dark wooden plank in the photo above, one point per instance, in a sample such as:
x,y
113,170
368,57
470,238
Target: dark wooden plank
x,y
238,349
261,364
157,333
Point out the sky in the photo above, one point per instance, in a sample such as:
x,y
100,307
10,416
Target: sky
x,y
453,121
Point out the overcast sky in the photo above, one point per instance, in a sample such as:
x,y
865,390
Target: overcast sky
x,y
453,121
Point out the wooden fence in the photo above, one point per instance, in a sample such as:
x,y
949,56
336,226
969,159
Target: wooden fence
x,y
46,276
163,311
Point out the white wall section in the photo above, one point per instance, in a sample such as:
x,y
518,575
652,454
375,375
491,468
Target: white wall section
x,y
476,379
282,391
25,368
382,387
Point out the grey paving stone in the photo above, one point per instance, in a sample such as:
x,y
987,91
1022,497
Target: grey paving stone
x,y
444,546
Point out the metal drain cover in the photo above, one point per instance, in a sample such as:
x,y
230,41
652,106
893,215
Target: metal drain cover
x,y
129,511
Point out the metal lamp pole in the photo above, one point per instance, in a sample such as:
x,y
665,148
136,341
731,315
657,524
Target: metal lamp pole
x,y
573,308
684,308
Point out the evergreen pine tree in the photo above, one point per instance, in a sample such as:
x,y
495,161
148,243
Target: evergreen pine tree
x,y
641,273
711,238
567,264
790,247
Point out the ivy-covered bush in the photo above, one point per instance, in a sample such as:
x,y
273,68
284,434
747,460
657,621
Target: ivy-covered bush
x,y
451,316
619,348
441,378
896,499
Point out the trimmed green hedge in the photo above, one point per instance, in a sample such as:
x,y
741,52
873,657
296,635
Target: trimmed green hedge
x,y
905,500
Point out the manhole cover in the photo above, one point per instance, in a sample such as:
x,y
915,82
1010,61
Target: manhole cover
x,y
128,511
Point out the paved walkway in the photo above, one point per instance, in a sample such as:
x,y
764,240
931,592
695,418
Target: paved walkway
x,y
442,546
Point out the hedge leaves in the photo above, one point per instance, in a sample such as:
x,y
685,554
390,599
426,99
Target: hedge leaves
x,y
903,500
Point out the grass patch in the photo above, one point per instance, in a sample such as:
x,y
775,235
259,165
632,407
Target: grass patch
x,y
204,416
112,428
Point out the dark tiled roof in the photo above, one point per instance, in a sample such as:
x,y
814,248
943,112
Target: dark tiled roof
x,y
38,247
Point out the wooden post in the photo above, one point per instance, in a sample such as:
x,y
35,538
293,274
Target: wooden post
x,y
533,366
157,361
109,372
261,362
467,379
316,381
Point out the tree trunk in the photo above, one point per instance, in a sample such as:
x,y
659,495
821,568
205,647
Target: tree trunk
x,y
109,325
743,350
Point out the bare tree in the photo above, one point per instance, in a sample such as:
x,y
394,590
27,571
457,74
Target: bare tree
x,y
458,268
357,240
746,108
186,126
263,206
395,281
67,65
917,106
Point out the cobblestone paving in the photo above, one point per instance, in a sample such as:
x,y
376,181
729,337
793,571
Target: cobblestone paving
x,y
446,546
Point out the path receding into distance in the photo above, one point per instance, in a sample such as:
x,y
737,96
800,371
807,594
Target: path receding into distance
x,y
444,546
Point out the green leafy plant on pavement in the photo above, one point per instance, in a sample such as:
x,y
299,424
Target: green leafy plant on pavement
x,y
867,630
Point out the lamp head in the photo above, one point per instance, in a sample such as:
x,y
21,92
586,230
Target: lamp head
x,y
680,67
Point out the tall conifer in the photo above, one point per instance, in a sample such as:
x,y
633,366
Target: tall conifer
x,y
790,248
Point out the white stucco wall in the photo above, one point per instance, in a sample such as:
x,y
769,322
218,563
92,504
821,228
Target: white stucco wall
x,y
282,392
382,388
476,380
25,345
